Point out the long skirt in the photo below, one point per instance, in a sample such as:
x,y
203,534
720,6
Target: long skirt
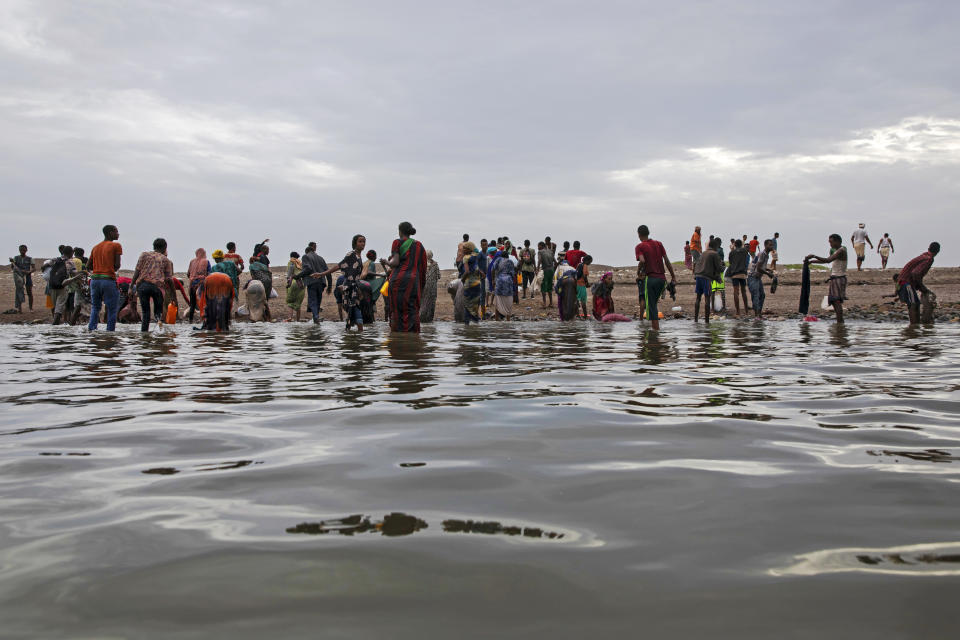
x,y
404,301
567,298
218,297
504,305
602,305
429,303
455,289
256,300
295,294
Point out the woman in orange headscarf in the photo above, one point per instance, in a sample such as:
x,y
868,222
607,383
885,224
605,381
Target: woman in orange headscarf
x,y
218,294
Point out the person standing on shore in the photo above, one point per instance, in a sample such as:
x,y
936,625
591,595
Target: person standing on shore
x,y
23,269
295,288
483,261
838,273
472,278
859,238
758,268
688,256
752,248
408,259
737,272
709,269
197,272
696,248
104,264
353,272
231,255
774,255
460,250
428,306
528,267
61,270
652,261
314,267
583,281
151,275
547,265
574,256
885,248
910,282
504,286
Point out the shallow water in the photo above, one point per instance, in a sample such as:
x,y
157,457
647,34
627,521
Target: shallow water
x,y
521,480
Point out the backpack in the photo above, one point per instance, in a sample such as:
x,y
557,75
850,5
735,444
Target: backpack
x,y
58,273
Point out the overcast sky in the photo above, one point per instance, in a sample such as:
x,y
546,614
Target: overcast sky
x,y
211,121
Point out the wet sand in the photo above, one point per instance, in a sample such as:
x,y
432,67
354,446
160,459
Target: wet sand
x,y
866,290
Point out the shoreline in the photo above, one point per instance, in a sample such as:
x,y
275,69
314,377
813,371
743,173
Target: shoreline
x,y
866,291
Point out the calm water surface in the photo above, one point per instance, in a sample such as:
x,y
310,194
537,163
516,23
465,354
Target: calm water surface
x,y
522,480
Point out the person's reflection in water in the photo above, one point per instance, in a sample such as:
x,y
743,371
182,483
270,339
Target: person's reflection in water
x,y
412,374
806,337
707,344
925,349
655,349
219,350
393,524
839,336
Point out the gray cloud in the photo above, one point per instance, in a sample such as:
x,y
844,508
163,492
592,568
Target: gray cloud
x,y
204,122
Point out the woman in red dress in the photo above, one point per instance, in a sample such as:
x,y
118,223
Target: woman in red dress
x,y
409,263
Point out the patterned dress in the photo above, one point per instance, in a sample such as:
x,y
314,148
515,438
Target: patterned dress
x,y
350,267
406,284
429,303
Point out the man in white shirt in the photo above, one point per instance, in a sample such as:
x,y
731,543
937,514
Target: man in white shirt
x,y
859,239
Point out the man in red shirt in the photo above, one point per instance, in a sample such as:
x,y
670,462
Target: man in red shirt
x,y
104,264
910,282
653,263
753,246
574,256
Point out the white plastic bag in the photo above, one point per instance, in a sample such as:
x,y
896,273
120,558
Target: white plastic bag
x,y
717,303
826,303
242,310
274,294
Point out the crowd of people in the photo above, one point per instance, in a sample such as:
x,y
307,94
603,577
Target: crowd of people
x,y
492,276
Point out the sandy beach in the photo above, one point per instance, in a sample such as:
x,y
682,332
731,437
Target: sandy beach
x,y
866,290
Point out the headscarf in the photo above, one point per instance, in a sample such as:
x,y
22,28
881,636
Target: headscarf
x,y
198,266
468,249
601,288
218,253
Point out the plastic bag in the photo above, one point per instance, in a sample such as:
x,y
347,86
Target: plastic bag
x,y
242,310
273,293
385,289
826,303
717,303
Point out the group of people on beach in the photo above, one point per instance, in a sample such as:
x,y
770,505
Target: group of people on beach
x,y
76,284
749,263
490,279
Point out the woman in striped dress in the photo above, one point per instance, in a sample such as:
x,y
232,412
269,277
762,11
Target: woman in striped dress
x,y
409,263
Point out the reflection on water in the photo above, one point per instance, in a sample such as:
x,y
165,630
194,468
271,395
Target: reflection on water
x,y
527,467
393,524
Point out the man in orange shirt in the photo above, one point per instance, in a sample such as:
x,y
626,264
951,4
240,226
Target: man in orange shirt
x,y
753,246
104,264
695,247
